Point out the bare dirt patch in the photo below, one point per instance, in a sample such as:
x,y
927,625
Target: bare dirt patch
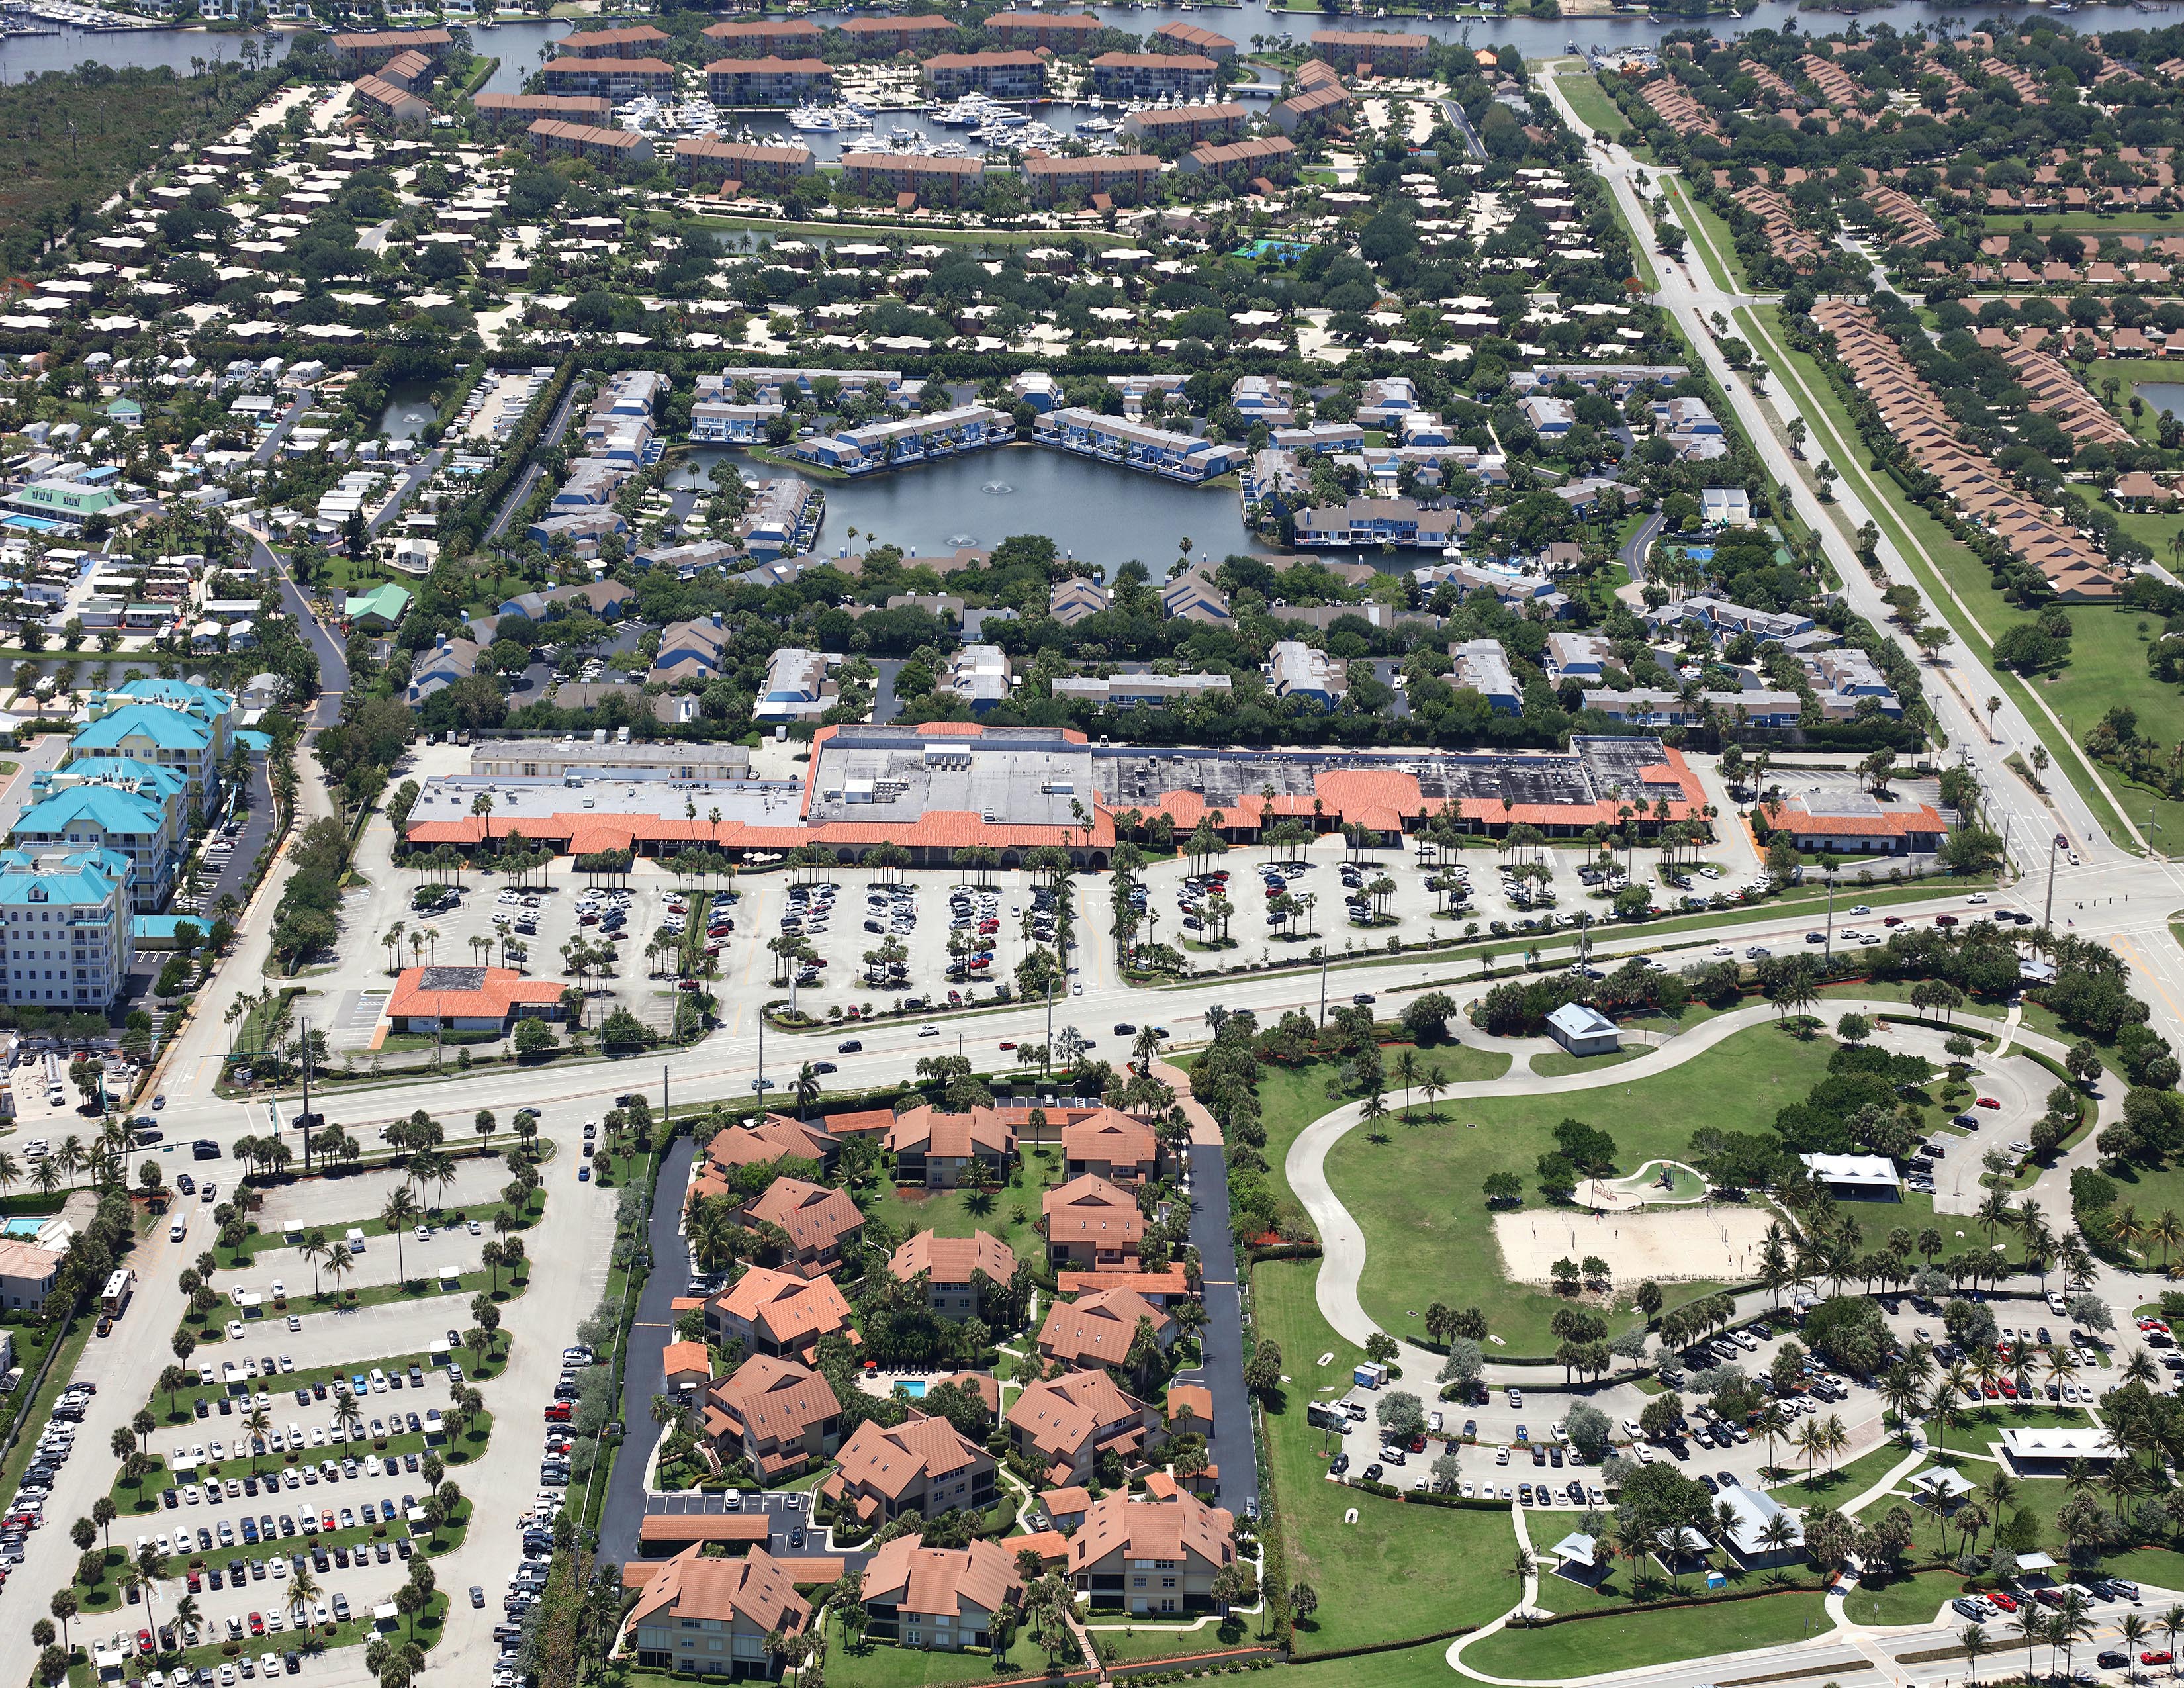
x,y
1716,1242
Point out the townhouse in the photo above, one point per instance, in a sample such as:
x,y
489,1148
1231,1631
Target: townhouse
x,y
714,1617
765,37
924,1465
768,81
508,111
915,439
1481,666
1135,445
777,1313
1076,599
1192,596
1296,670
774,1415
1158,1554
1061,1426
1370,523
980,675
1092,1224
389,105
1136,691
1064,32
763,1142
941,1599
952,1267
1111,1144
817,1224
1101,1328
1256,157
355,52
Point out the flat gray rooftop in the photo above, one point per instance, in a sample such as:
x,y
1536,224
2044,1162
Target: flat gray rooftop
x,y
759,803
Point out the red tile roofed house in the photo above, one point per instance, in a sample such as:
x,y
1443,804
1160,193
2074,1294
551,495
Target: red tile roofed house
x,y
355,50
695,1604
940,1598
861,1122
922,1465
1063,1425
1111,1145
470,999
818,1222
1065,1508
1163,1289
763,38
1151,1555
1189,1410
1098,1330
1091,1222
777,1312
774,1415
763,1142
686,1362
934,1149
1180,37
665,1533
950,1264
616,148
637,42
1051,1546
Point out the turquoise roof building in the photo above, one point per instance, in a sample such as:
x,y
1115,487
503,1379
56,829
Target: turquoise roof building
x,y
124,823
66,921
378,610
165,738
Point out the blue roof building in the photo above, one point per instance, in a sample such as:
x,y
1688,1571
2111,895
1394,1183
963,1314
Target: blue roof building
x,y
188,735
124,823
65,919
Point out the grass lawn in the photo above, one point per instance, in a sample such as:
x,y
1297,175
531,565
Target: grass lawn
x,y
1842,1485
1010,1212
1560,1063
2043,1498
1640,1638
1153,1641
1423,1667
1399,1571
1590,101
1905,1600
1417,1192
1717,250
1956,582
884,1665
258,1244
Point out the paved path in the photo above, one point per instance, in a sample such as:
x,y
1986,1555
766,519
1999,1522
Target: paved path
x,y
1231,1444
1634,552
643,1373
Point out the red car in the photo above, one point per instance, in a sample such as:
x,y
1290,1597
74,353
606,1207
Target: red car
x,y
144,1641
2161,1657
1008,1043
325,1520
1945,920
2010,1388
2003,1601
256,1624
1893,920
1989,1102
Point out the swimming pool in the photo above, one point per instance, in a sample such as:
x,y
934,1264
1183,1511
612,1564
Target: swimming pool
x,y
912,1387
29,1226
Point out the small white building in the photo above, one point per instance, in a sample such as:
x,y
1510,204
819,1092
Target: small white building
x,y
2046,1453
1725,506
1584,1031
1756,1512
1865,1177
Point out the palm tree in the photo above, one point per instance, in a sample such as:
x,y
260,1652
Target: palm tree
x,y
313,1249
1973,1639
397,1215
303,1587
1407,1069
807,1088
2172,1625
258,1424
2167,1230
339,1264
1811,1442
1433,1086
2032,1626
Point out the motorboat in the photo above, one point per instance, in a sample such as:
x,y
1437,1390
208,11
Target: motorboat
x,y
812,119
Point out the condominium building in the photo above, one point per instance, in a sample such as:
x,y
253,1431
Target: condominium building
x,y
708,157
1005,75
68,936
765,37
616,148
767,82
1153,76
938,182
611,79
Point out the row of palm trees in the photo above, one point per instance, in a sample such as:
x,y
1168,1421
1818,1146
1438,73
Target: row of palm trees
x,y
2063,1627
105,1158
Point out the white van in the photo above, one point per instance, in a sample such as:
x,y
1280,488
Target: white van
x,y
181,1227
354,1239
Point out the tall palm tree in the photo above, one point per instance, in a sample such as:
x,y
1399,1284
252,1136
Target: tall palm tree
x,y
313,1249
1973,1639
339,1264
2031,1627
1407,1069
399,1213
2172,1625
2168,1231
258,1424
1433,1086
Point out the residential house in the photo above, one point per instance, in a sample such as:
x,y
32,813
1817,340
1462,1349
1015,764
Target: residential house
x,y
797,688
691,651
1159,1554
433,670
774,1415
714,1617
938,1599
950,1267
1192,596
777,1312
1099,1329
1111,1145
818,1222
932,1148
1296,670
1483,667
1076,599
922,1465
1092,1224
1062,1425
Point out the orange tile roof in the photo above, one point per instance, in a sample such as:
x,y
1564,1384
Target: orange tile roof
x,y
686,1357
1089,1209
789,1309
754,1588
500,990
952,1260
1098,1330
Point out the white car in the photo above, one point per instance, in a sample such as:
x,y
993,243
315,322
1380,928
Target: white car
x,y
928,1031
1976,897
1860,908
234,1330
288,1362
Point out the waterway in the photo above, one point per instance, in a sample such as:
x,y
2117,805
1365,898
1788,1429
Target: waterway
x,y
2165,396
518,45
1112,515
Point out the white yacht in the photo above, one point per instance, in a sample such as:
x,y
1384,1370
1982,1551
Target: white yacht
x,y
812,119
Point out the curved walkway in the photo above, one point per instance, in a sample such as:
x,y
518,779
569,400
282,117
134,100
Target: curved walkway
x,y
1342,1240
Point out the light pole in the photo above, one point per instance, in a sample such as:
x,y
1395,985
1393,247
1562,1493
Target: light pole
x,y
2048,914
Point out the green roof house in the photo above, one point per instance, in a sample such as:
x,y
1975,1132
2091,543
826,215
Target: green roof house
x,y
379,612
127,412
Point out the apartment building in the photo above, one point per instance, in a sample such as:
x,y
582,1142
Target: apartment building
x,y
1100,1329
1062,1425
1002,76
168,723
388,105
618,149
708,157
1370,523
797,688
717,1617
1135,445
1296,670
1137,691
508,111
941,1599
613,79
1181,37
355,52
924,1465
818,1224
937,181
132,824
1483,667
1092,1225
641,41
1153,76
70,941
774,1415
1158,1554
1064,32
777,1313
881,37
951,1267
767,82
1055,179
765,37
917,439
1378,53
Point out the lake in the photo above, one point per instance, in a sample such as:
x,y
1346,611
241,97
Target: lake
x,y
1113,516
2166,396
408,407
